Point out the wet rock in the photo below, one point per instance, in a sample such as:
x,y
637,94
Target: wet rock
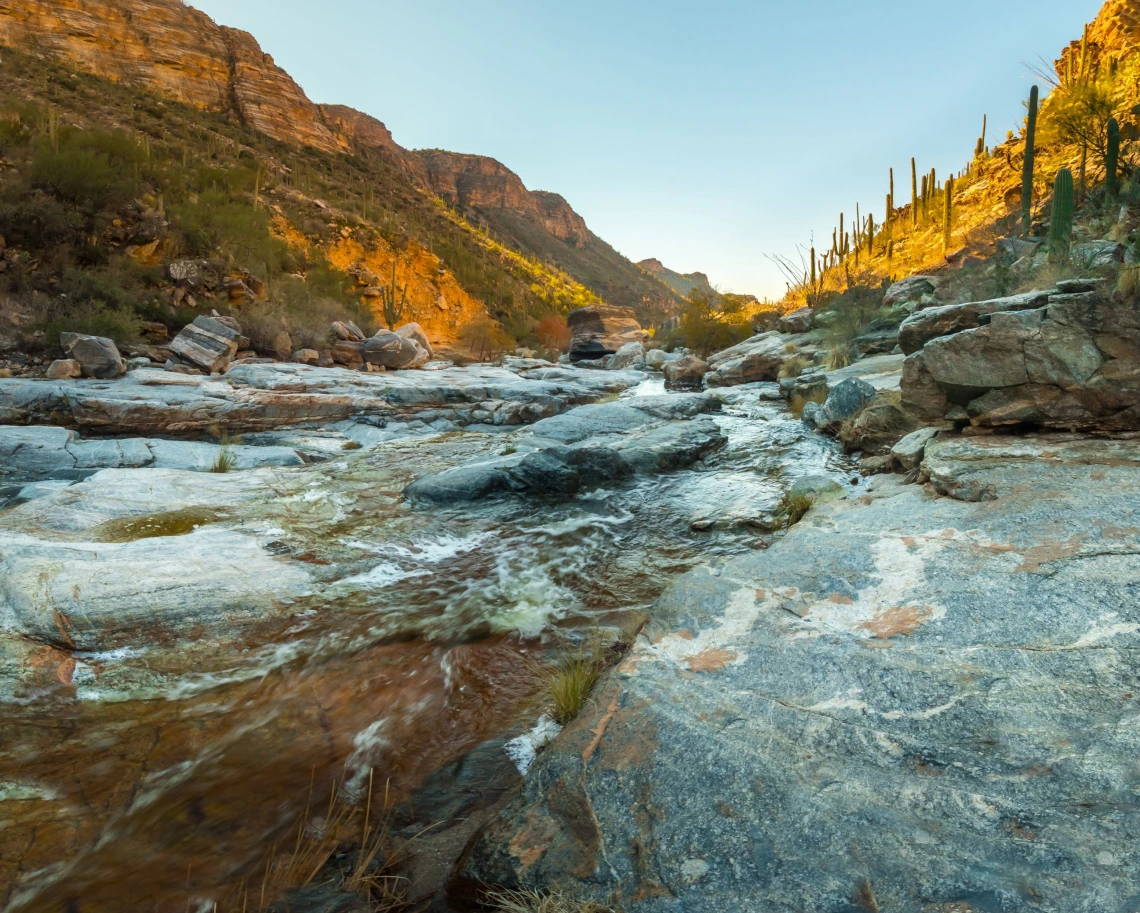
x,y
829,670
810,414
932,323
631,355
686,372
911,289
600,330
208,343
97,356
797,321
64,369
44,452
391,351
845,399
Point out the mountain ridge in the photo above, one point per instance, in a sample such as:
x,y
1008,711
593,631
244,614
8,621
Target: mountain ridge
x,y
182,54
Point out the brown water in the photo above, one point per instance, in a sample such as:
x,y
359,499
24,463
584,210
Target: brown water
x,y
155,778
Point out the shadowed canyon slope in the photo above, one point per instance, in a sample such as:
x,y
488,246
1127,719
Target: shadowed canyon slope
x,y
165,46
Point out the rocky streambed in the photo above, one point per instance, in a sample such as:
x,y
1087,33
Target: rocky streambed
x,y
186,652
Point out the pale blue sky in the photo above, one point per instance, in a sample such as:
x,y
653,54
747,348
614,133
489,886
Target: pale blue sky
x,y
706,133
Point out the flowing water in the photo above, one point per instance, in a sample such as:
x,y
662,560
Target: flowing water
x,y
154,778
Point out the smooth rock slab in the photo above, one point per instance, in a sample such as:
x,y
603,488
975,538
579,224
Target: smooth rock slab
x,y
914,699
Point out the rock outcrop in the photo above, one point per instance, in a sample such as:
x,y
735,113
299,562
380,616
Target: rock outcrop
x,y
910,703
600,331
1073,364
757,359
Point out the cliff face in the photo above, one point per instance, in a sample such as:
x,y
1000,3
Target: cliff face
x,y
1116,27
682,283
479,183
175,50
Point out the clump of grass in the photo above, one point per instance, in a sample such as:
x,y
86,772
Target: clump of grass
x,y
793,508
878,426
569,685
795,366
1128,283
155,526
352,445
534,902
608,398
224,461
839,355
798,401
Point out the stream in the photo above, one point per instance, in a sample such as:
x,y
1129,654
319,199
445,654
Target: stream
x,y
160,775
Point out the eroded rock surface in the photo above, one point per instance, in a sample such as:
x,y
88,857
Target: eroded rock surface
x,y
913,701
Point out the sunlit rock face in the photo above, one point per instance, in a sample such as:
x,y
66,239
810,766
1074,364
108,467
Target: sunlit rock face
x,y
179,52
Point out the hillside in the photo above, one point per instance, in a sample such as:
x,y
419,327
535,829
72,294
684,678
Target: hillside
x,y
682,283
1095,78
180,54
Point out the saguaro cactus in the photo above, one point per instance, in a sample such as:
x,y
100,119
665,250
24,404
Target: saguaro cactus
x,y
393,310
1061,223
913,193
948,228
1112,159
1027,169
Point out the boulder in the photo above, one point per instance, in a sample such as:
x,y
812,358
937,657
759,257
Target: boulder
x,y
391,351
1018,248
63,369
208,342
913,288
843,402
306,357
932,323
657,359
797,321
631,355
416,334
1072,365
689,371
281,346
97,356
1100,254
601,330
752,361
348,353
909,452
810,414
348,331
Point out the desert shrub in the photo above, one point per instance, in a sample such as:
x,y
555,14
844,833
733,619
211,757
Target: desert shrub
x,y
795,366
793,508
706,329
81,173
38,221
484,339
120,324
552,333
798,401
878,426
534,902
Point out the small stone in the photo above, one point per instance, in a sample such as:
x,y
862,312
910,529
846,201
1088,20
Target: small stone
x,y
64,369
306,356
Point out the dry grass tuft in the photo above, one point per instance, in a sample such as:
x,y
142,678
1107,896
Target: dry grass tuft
x,y
224,462
793,508
798,400
534,902
795,366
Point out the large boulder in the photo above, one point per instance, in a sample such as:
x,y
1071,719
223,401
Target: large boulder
x,y
349,353
97,356
657,359
797,321
391,351
754,360
416,334
64,369
208,342
688,371
600,330
910,290
918,330
1072,365
631,355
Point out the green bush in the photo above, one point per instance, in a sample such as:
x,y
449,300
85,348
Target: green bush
x,y
36,222
86,179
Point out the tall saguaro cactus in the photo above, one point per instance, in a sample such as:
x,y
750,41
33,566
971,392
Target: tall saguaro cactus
x,y
1027,170
1061,222
914,193
948,228
393,309
1112,159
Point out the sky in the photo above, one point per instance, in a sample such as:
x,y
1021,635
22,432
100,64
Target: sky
x,y
706,133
